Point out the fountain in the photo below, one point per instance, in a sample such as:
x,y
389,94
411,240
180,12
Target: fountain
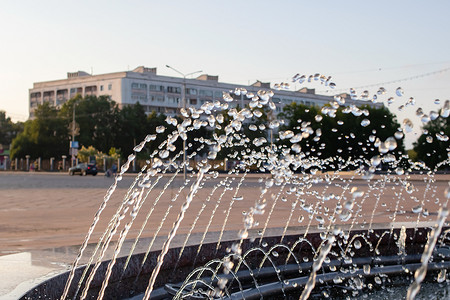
x,y
283,222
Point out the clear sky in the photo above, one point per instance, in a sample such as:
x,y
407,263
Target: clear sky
x,y
357,42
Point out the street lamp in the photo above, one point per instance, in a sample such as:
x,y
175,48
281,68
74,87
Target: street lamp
x,y
184,106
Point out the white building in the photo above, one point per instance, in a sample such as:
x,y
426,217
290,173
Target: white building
x,y
162,94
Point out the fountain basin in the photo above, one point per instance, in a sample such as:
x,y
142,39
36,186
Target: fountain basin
x,y
134,280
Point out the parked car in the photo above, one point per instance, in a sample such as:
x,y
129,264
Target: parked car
x,y
83,169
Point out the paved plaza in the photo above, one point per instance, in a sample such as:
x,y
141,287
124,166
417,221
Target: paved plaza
x,y
44,216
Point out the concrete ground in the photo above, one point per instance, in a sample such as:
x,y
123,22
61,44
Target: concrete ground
x,y
43,215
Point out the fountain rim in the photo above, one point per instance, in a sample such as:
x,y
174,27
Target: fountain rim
x,y
313,231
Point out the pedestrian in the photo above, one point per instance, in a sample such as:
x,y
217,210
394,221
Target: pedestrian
x,y
114,169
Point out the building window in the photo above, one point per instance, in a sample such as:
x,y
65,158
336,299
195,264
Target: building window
x,y
191,91
218,94
101,88
110,86
174,100
193,101
174,89
158,88
206,93
139,86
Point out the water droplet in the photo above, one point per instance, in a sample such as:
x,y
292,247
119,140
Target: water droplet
x,y
139,147
160,129
399,171
411,101
442,276
356,193
441,137
375,161
398,135
399,91
357,244
433,115
383,148
447,193
320,219
227,97
257,113
408,124
358,283
391,143
150,137
425,119
381,91
163,154
366,269
437,101
409,188
365,122
429,139
318,118
365,94
345,216
253,127
417,209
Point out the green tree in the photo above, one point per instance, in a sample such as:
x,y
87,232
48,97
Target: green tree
x,y
97,118
45,136
432,147
132,127
342,135
8,129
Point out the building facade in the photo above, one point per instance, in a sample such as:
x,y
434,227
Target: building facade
x,y
161,94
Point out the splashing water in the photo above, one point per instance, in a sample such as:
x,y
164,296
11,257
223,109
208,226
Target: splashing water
x,y
419,275
337,170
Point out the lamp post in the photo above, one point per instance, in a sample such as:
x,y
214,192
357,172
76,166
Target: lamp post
x,y
184,106
73,149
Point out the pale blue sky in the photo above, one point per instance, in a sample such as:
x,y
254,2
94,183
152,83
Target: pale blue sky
x,y
356,42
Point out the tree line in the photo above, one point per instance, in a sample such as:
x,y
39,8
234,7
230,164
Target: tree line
x,y
326,132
